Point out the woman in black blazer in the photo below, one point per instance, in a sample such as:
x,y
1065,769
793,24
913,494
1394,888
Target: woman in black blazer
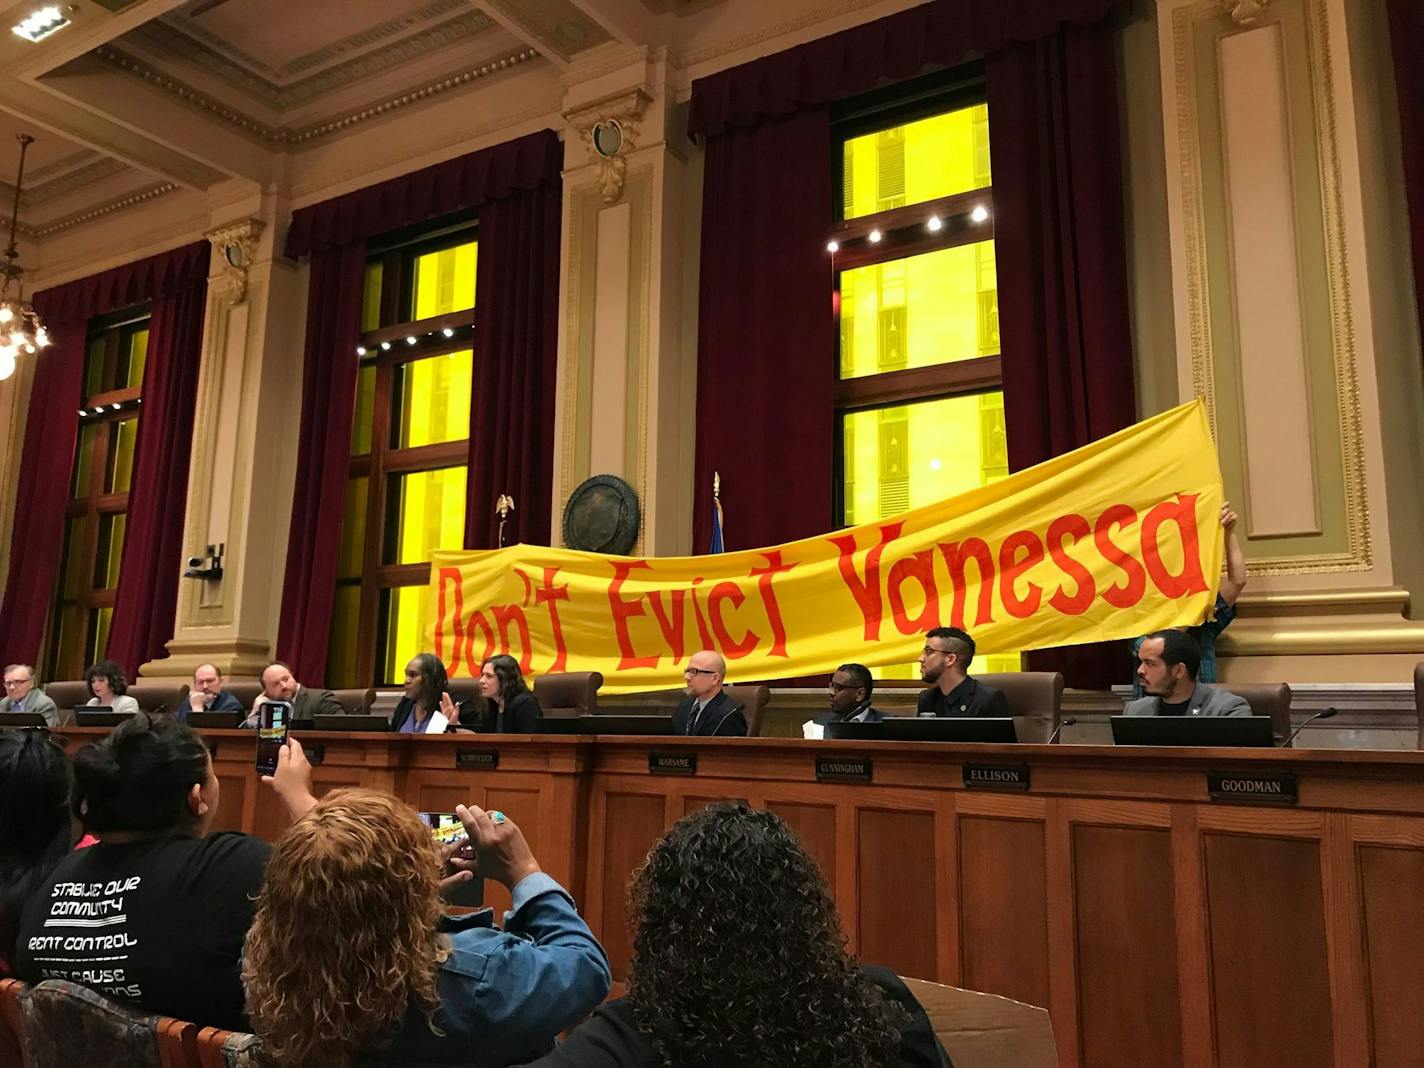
x,y
509,706
425,694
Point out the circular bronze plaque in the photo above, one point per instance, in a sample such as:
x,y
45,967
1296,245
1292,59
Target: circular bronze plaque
x,y
602,516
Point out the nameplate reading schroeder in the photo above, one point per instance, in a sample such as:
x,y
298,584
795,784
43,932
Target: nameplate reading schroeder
x,y
672,763
996,776
842,769
478,759
1253,788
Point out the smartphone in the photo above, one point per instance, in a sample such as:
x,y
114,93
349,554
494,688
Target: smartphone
x,y
445,827
271,734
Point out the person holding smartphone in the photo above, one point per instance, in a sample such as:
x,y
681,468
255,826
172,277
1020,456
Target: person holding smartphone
x,y
350,956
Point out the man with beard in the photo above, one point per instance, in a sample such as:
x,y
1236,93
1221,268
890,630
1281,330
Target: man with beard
x,y
951,692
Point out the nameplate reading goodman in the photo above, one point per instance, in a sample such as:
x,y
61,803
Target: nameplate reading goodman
x,y
1253,788
477,759
672,763
996,776
842,769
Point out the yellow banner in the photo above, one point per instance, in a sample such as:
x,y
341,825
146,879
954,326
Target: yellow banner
x,y
1112,540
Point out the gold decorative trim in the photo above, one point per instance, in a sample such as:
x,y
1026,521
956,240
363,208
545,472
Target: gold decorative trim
x,y
69,221
239,237
627,110
574,418
645,179
1245,12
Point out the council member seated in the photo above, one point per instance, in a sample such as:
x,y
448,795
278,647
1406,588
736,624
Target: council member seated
x,y
706,710
951,692
108,688
22,695
850,701
350,960
426,707
279,685
510,707
207,693
1167,664
155,913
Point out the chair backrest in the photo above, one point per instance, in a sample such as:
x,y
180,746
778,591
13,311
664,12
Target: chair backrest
x,y
67,695
217,1048
1266,699
12,1027
62,1018
1419,702
462,690
575,690
159,696
986,1030
753,700
357,702
246,692
1032,694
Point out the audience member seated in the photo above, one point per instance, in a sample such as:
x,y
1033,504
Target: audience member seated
x,y
510,706
279,685
108,687
1167,664
207,693
427,707
35,828
350,955
851,685
707,710
176,902
951,692
22,695
739,959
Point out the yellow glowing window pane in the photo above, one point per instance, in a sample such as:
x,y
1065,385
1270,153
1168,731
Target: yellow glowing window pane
x,y
429,510
445,281
405,630
124,435
94,366
364,417
934,308
912,455
133,355
110,550
434,399
83,458
371,296
345,633
72,635
919,161
353,529
99,634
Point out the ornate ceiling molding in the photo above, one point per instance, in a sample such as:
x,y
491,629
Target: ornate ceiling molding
x,y
1245,12
557,26
69,181
235,242
626,110
67,222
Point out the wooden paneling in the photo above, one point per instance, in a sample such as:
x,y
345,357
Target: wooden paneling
x,y
815,825
1003,920
631,824
1126,946
898,909
1269,974
1392,889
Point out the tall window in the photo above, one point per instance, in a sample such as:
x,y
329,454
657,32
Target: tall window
x,y
98,493
405,490
919,402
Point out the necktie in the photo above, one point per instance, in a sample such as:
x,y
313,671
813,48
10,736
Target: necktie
x,y
692,719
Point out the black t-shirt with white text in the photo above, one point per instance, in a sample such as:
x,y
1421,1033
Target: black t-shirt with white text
x,y
158,922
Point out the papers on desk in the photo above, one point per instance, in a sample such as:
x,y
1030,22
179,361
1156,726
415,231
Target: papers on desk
x,y
812,729
437,722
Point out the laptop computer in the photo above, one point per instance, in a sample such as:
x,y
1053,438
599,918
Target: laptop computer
x,y
99,716
655,725
22,719
928,729
1252,731
368,724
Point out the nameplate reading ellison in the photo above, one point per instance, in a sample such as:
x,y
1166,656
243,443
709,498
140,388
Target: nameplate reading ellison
x,y
996,776
672,763
1253,788
479,759
842,769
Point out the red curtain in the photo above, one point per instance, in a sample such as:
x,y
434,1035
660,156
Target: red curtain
x,y
50,433
765,336
1406,23
335,294
147,596
1062,266
516,364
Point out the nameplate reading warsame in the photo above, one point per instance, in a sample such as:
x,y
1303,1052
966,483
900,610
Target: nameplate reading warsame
x,y
996,776
1253,788
672,763
477,759
842,769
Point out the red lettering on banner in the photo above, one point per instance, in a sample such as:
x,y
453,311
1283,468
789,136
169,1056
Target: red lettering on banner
x,y
1078,527
551,595
1184,514
956,554
703,634
764,575
477,619
1010,568
729,591
1132,588
504,616
866,591
919,567
449,575
624,610
671,628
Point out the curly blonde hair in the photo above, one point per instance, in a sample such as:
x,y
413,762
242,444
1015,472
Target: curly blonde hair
x,y
345,941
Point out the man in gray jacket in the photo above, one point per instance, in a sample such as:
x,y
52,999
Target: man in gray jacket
x,y
1167,664
22,695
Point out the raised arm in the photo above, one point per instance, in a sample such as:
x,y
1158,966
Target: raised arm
x,y
1235,580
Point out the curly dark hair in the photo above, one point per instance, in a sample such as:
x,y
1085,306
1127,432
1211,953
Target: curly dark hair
x,y
107,669
738,954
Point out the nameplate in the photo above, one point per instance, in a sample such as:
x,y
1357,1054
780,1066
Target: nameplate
x,y
996,776
842,769
477,759
1253,788
672,763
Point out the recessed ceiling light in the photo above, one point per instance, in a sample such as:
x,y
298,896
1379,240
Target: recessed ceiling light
x,y
38,25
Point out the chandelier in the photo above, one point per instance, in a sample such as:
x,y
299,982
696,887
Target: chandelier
x,y
21,332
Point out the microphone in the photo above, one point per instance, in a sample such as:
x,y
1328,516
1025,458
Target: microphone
x,y
1324,714
1059,729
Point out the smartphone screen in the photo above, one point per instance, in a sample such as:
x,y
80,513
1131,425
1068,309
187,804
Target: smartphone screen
x,y
271,734
445,827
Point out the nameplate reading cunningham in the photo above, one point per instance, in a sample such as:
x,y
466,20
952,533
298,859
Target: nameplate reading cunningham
x,y
1253,788
478,759
996,776
672,763
842,769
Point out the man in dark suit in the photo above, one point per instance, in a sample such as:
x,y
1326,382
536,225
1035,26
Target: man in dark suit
x,y
706,710
207,693
278,685
951,692
1167,665
850,697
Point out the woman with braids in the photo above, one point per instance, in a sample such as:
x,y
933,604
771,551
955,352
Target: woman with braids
x,y
510,707
739,960
350,959
35,829
426,693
